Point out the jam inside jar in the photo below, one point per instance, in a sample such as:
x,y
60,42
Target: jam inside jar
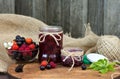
x,y
50,43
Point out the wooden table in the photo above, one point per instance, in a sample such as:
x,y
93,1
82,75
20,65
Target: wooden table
x,y
31,71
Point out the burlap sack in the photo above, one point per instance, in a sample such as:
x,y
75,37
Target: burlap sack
x,y
12,25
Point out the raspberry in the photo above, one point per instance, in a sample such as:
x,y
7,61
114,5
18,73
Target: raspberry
x,y
28,40
44,63
24,46
15,47
21,49
32,46
27,49
53,65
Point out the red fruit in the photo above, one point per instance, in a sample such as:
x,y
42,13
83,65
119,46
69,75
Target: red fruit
x,y
53,65
27,49
32,46
28,40
24,46
44,63
14,42
21,49
15,47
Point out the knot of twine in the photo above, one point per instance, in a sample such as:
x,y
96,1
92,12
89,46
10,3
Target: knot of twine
x,y
116,73
74,56
44,34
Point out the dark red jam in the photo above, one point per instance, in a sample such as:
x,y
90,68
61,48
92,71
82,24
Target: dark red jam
x,y
50,44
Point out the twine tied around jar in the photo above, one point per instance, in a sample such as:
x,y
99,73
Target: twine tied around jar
x,y
74,56
44,34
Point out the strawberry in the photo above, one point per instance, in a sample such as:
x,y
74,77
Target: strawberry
x,y
32,46
28,40
44,63
15,47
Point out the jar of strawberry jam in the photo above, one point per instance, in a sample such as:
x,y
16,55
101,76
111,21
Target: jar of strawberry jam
x,y
50,43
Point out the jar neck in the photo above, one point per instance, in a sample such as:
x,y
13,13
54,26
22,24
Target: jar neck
x,y
51,29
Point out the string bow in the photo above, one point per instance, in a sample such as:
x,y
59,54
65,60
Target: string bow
x,y
54,35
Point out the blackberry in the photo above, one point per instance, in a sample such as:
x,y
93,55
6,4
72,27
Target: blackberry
x,y
19,43
23,39
17,37
83,67
42,67
48,66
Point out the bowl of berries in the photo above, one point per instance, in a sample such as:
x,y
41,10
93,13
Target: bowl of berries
x,y
22,49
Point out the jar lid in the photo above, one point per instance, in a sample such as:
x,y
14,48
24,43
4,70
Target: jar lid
x,y
51,29
94,57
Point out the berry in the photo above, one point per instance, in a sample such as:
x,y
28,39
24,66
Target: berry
x,y
83,67
27,49
14,42
17,37
44,63
42,67
17,40
28,40
15,47
53,65
22,39
48,66
24,46
21,49
32,46
19,43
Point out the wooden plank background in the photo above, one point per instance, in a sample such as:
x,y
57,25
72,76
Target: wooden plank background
x,y
104,15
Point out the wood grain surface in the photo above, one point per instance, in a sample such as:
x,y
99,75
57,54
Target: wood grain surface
x,y
31,71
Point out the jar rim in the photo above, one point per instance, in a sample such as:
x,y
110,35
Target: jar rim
x,y
51,29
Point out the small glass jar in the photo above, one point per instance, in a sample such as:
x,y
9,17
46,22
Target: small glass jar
x,y
50,43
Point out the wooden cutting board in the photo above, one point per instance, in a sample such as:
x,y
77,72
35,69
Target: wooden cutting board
x,y
31,71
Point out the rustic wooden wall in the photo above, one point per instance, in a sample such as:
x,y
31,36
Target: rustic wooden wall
x,y
104,15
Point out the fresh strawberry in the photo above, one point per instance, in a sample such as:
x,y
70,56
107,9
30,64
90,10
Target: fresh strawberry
x,y
32,46
28,40
44,63
15,47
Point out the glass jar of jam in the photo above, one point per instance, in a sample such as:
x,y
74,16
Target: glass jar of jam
x,y
50,43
